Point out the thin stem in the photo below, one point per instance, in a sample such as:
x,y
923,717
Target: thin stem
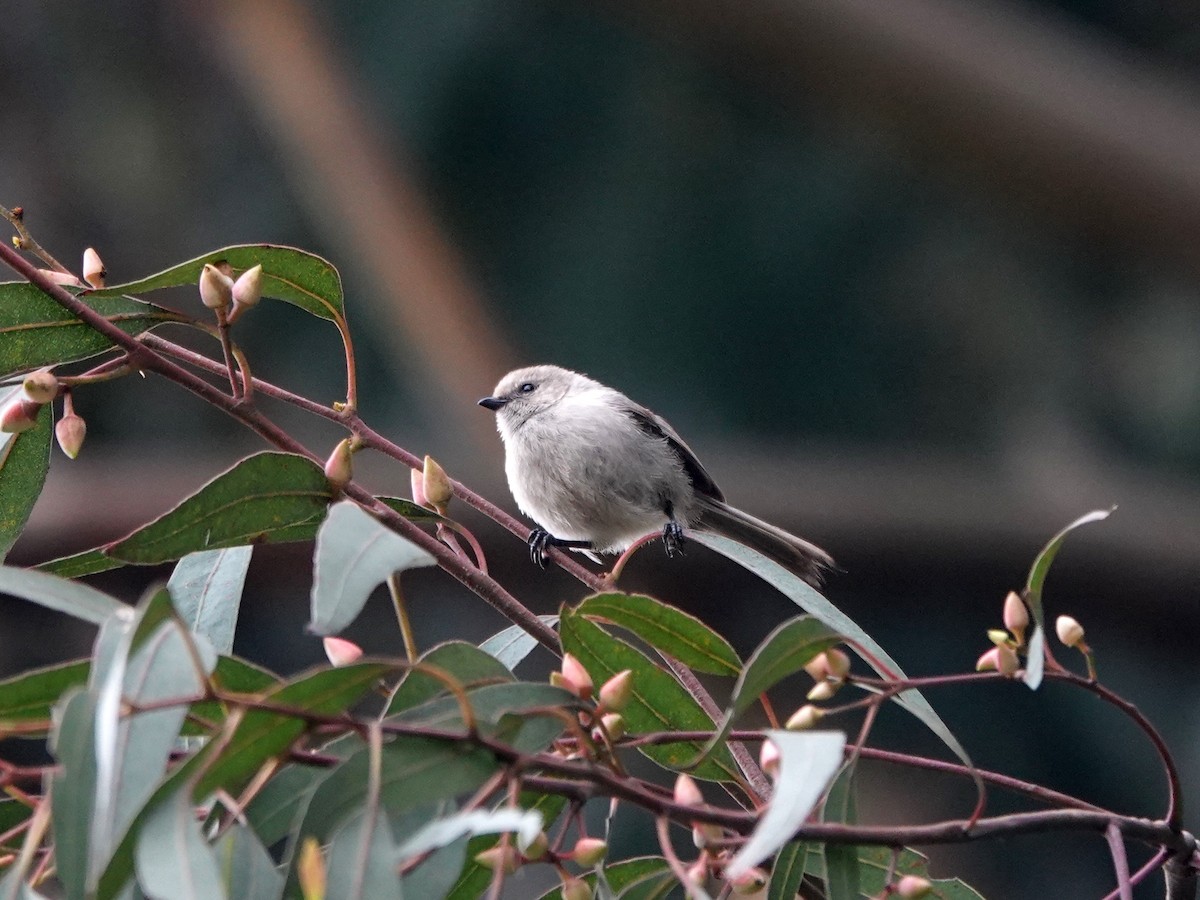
x,y
227,352
16,218
406,629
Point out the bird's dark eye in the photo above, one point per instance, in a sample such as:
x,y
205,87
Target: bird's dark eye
x,y
527,387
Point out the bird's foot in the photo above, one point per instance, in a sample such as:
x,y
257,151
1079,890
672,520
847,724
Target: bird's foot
x,y
540,541
673,538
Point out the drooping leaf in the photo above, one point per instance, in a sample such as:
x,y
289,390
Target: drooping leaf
x,y
468,665
35,331
808,760
266,498
247,869
785,651
811,601
1036,656
73,790
355,553
24,459
514,643
58,594
206,588
659,702
294,276
668,629
173,859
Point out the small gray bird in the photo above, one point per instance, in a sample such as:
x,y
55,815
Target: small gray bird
x,y
597,471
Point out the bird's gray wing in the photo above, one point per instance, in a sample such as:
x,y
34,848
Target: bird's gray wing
x,y
656,426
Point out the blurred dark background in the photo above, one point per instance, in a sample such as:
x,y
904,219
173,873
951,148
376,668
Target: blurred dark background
x,y
917,279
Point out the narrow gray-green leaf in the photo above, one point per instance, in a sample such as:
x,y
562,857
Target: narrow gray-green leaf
x,y
514,643
811,601
362,861
1035,656
172,858
788,871
58,594
668,629
438,873
73,790
355,553
206,588
465,663
24,459
807,762
525,823
247,869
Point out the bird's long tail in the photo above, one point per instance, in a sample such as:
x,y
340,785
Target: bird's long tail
x,y
795,554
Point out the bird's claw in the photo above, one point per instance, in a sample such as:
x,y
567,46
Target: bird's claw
x,y
539,540
673,538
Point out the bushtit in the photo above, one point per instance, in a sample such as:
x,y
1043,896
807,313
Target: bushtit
x,y
597,471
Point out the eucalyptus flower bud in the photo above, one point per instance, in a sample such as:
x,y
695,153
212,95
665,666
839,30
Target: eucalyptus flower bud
x,y
70,431
216,288
19,415
64,278
340,651
1001,658
537,847
805,717
589,851
687,793
1016,616
576,889
1069,631
749,882
417,481
832,665
436,485
616,693
768,758
573,677
93,268
247,290
339,468
40,387
913,887
822,690
614,727
502,856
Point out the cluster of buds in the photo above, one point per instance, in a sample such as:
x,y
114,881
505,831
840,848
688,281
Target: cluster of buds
x,y
1002,657
587,852
705,835
431,486
219,291
829,670
605,718
21,412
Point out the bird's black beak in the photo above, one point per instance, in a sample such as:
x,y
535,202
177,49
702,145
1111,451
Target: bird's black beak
x,y
492,403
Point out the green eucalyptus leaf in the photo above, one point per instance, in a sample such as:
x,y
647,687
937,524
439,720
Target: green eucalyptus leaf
x,y
788,871
665,628
172,857
24,460
73,789
659,702
247,869
294,276
1036,651
35,331
355,553
468,665
474,878
206,588
515,712
362,861
29,697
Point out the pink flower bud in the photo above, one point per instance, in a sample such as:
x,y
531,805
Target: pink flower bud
x,y
1069,631
589,851
822,690
247,290
1016,616
1002,659
614,727
574,677
70,431
616,693
805,717
64,278
832,665
339,468
704,834
341,652
93,268
216,288
768,758
687,793
912,887
537,847
19,415
417,480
